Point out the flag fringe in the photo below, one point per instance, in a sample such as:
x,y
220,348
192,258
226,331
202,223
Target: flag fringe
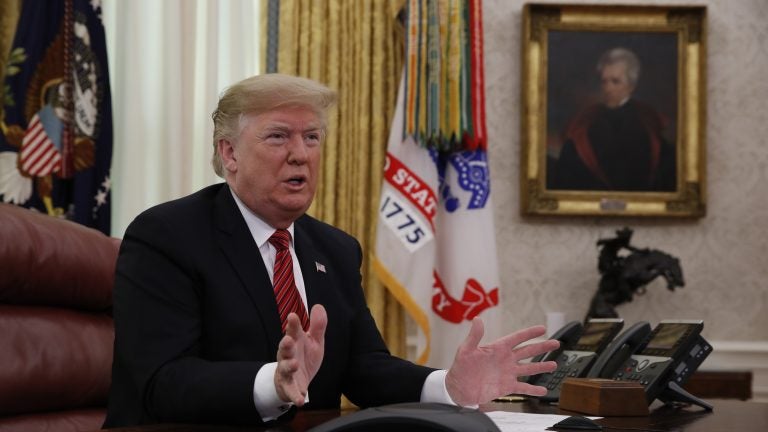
x,y
402,295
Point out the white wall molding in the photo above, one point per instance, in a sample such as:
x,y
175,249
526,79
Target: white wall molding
x,y
742,355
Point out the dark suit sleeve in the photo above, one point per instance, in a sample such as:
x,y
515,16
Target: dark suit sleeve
x,y
160,370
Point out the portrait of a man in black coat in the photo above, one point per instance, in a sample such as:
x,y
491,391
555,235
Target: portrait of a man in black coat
x,y
617,143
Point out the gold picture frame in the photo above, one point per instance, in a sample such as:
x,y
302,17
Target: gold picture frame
x,y
587,147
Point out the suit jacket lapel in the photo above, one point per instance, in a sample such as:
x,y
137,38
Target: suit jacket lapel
x,y
236,242
315,280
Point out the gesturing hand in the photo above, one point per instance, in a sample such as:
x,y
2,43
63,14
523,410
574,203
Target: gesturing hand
x,y
481,373
299,355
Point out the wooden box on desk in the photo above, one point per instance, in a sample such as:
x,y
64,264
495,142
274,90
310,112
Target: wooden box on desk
x,y
603,397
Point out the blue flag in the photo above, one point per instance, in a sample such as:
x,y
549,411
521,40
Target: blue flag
x,y
56,141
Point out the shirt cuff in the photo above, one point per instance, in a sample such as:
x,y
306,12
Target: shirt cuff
x,y
434,389
265,398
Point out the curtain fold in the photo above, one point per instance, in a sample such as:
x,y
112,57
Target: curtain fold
x,y
355,47
169,60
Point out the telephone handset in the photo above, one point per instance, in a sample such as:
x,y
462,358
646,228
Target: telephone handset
x,y
567,335
579,347
619,350
662,363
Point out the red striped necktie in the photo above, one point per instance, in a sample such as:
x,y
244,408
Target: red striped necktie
x,y
286,294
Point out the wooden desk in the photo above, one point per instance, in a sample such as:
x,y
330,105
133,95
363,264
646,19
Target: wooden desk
x,y
303,421
728,415
721,384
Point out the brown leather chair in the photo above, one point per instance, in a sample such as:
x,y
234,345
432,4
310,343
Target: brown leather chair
x,y
56,331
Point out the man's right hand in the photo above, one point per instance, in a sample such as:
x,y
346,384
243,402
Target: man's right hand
x,y
299,355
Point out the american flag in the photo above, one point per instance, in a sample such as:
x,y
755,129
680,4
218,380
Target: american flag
x,y
39,156
56,90
319,267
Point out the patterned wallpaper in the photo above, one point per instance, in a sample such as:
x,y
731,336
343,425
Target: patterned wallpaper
x,y
550,264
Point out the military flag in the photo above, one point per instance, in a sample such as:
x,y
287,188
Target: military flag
x,y
56,141
435,244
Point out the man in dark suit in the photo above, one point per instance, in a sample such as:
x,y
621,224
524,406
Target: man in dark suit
x,y
203,331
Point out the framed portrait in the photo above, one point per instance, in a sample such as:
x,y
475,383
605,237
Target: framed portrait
x,y
613,119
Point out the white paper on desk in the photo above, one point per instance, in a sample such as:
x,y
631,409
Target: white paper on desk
x,y
525,422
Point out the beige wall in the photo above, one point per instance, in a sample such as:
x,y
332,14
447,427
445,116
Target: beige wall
x,y
549,264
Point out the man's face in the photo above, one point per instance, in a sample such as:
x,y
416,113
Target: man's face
x,y
615,84
273,164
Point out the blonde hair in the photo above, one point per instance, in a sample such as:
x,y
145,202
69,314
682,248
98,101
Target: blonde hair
x,y
263,93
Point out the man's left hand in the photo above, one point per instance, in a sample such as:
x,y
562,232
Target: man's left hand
x,y
481,373
299,355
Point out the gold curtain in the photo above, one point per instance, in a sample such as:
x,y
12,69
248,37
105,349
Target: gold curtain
x,y
355,47
9,16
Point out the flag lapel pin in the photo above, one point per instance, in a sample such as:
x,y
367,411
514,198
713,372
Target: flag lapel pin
x,y
319,267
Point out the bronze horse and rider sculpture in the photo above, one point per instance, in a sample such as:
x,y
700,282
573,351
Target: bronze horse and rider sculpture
x,y
625,275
